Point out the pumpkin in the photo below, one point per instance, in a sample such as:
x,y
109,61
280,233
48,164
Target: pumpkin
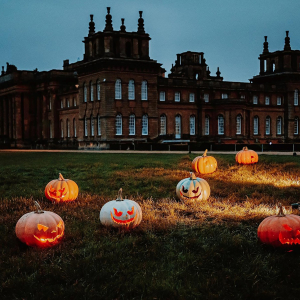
x,y
280,230
193,188
204,164
122,213
61,190
40,228
246,157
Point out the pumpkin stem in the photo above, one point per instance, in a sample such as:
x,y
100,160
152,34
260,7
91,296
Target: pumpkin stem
x,y
119,198
192,176
61,177
245,148
38,207
280,213
204,154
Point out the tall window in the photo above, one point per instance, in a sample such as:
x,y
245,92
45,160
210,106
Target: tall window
x,y
68,102
265,65
91,91
239,124
192,97
74,101
177,96
132,124
68,128
119,124
206,98
255,99
50,130
162,96
144,125
220,124
74,128
206,126
118,89
268,125
163,125
178,127
98,89
85,127
267,100
50,103
296,97
279,125
92,126
278,100
255,125
224,96
61,128
61,103
84,93
144,90
192,125
98,125
131,92
296,125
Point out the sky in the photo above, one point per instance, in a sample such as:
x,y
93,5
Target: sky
x,y
42,33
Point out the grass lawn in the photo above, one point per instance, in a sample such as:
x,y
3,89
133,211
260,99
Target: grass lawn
x,y
201,250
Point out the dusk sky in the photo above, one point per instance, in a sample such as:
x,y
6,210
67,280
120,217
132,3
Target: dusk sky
x,y
41,34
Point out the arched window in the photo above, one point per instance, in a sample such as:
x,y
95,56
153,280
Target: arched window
x,y
98,89
163,125
84,92
118,89
279,125
91,91
119,124
50,130
132,124
255,99
296,97
74,128
239,124
92,126
61,128
178,127
206,126
255,125
131,92
268,125
220,124
144,125
144,90
267,100
296,125
68,128
192,125
98,125
85,127
273,66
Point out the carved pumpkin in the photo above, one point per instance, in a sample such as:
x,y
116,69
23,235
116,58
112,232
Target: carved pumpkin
x,y
193,188
246,157
61,190
280,230
122,213
40,228
204,164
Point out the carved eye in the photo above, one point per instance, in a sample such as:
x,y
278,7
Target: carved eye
x,y
118,214
131,212
287,227
60,224
196,191
42,227
185,191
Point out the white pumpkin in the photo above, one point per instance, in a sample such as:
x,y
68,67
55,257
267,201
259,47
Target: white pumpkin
x,y
121,213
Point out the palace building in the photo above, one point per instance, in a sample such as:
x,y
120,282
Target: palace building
x,y
118,94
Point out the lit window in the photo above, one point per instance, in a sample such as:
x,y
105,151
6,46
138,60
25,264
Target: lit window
x,y
192,125
239,124
192,97
68,128
118,89
131,92
296,125
255,125
267,100
268,125
163,125
206,127
132,125
178,127
74,128
50,103
220,125
119,125
255,99
85,127
224,96
74,101
279,125
177,96
91,92
98,89
162,96
84,93
92,126
145,125
68,102
144,90
296,97
61,129
206,98
278,100
98,125
61,103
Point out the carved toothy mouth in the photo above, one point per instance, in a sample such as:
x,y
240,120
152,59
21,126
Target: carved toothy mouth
x,y
50,240
288,241
124,222
194,197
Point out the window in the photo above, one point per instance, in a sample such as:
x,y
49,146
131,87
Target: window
x,y
50,130
85,127
68,102
220,125
50,103
296,97
68,128
119,124
296,125
206,98
278,100
74,101
206,126
192,125
177,96
144,90
118,89
91,91
132,125
192,97
131,92
74,128
255,125
145,125
255,99
162,96
61,103
61,129
265,65
92,126
267,100
178,127
268,125
224,96
84,93
243,97
273,66
98,89
279,125
98,125
239,124
163,125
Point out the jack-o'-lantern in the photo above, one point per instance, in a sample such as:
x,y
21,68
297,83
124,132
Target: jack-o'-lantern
x,y
122,213
204,164
40,228
193,188
61,190
246,157
280,230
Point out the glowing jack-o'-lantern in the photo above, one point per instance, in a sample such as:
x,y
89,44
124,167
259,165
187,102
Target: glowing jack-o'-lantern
x,y
204,164
280,230
121,213
246,157
193,188
61,190
40,228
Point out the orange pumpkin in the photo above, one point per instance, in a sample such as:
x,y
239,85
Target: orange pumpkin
x,y
204,164
280,230
61,190
246,157
40,228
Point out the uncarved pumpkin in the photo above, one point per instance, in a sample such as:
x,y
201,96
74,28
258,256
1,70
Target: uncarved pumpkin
x,y
40,228
193,188
122,213
280,230
61,190
204,164
246,157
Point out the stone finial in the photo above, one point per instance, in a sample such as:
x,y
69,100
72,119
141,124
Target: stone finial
x,y
108,21
266,46
287,45
91,25
123,27
141,23
218,72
